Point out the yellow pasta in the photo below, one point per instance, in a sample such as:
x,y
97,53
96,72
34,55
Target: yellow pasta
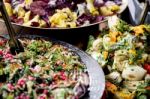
x,y
42,23
9,9
27,16
21,12
90,6
35,19
63,18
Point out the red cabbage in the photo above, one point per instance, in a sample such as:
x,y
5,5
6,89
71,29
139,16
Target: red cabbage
x,y
59,4
17,20
118,2
98,3
85,17
99,18
38,7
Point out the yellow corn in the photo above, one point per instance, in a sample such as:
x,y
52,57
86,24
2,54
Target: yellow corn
x,y
113,36
132,51
114,8
105,11
21,12
105,54
27,16
28,2
42,23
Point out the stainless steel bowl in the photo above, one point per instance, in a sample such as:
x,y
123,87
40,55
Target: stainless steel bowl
x,y
122,8
95,72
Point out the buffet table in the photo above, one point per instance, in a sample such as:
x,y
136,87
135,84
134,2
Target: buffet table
x,y
116,56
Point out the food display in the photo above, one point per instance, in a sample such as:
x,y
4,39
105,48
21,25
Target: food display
x,y
60,13
45,70
52,69
123,51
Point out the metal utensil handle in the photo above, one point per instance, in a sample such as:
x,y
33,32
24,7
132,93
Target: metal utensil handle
x,y
10,29
145,11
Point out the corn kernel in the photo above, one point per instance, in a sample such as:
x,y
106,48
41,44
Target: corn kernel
x,y
105,54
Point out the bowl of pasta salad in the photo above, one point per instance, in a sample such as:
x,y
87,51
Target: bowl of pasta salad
x,y
123,51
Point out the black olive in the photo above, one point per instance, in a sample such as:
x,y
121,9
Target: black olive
x,y
39,80
39,90
3,78
1,96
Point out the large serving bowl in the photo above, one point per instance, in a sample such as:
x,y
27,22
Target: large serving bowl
x,y
122,8
96,75
114,53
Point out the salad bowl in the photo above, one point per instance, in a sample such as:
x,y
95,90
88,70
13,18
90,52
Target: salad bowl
x,y
87,19
96,76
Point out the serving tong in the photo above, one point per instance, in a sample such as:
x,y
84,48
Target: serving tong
x,y
145,11
15,45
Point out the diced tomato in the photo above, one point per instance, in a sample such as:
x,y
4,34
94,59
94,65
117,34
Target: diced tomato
x,y
76,97
10,87
1,43
63,76
31,78
42,85
23,96
21,82
147,67
45,91
1,84
1,52
111,87
147,88
42,97
55,77
8,56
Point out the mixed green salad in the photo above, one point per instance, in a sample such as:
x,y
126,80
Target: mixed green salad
x,y
43,71
123,51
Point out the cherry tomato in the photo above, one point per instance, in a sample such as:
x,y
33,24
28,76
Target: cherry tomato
x,y
147,67
147,88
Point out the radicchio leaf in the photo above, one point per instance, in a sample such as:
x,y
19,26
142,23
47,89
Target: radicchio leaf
x,y
35,24
99,18
59,4
85,17
16,20
118,2
38,7
98,3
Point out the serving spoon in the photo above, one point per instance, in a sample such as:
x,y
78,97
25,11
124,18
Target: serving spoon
x,y
15,45
144,12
